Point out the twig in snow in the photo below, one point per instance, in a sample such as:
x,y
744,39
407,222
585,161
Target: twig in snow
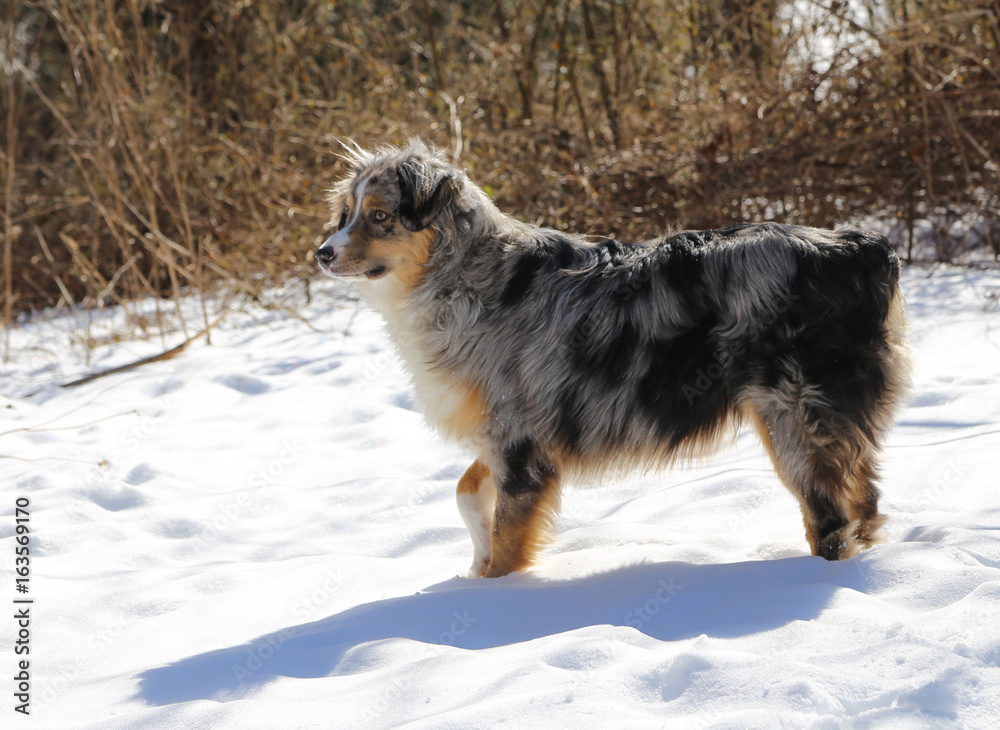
x,y
168,354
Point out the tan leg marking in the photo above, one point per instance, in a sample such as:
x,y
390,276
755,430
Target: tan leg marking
x,y
523,525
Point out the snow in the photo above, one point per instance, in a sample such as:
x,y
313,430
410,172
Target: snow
x,y
262,533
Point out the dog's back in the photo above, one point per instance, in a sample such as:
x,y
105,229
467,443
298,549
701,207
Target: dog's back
x,y
638,353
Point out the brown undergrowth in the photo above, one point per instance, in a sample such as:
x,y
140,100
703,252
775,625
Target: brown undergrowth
x,y
156,148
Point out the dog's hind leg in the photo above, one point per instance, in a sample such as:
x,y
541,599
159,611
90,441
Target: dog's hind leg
x,y
824,431
477,496
829,465
527,503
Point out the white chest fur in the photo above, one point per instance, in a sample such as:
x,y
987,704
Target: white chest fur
x,y
449,405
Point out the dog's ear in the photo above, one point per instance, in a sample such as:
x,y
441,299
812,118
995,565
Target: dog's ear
x,y
422,194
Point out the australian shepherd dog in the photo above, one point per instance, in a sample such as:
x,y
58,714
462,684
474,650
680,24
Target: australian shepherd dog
x,y
551,355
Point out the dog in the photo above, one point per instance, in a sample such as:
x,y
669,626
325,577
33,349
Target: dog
x,y
554,356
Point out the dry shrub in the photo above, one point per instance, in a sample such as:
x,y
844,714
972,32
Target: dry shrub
x,y
156,147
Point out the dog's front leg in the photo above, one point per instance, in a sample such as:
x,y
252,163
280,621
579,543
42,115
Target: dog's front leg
x,y
477,496
526,508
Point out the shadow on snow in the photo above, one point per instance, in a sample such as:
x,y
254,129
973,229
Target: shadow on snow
x,y
667,601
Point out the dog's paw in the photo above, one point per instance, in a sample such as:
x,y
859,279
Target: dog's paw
x,y
479,567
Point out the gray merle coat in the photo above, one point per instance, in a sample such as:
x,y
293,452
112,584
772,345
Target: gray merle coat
x,y
551,355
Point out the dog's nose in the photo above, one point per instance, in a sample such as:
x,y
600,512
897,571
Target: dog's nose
x,y
326,255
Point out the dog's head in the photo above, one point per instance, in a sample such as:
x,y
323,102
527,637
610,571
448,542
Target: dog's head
x,y
385,212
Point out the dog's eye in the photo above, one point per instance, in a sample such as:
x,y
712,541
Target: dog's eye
x,y
343,218
379,216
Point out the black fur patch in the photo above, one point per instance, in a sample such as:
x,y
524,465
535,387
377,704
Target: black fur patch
x,y
422,196
549,253
570,419
526,471
526,267
690,359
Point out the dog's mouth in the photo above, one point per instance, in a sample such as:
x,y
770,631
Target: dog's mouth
x,y
375,272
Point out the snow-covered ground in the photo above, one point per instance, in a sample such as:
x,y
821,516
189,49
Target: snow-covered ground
x,y
262,533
